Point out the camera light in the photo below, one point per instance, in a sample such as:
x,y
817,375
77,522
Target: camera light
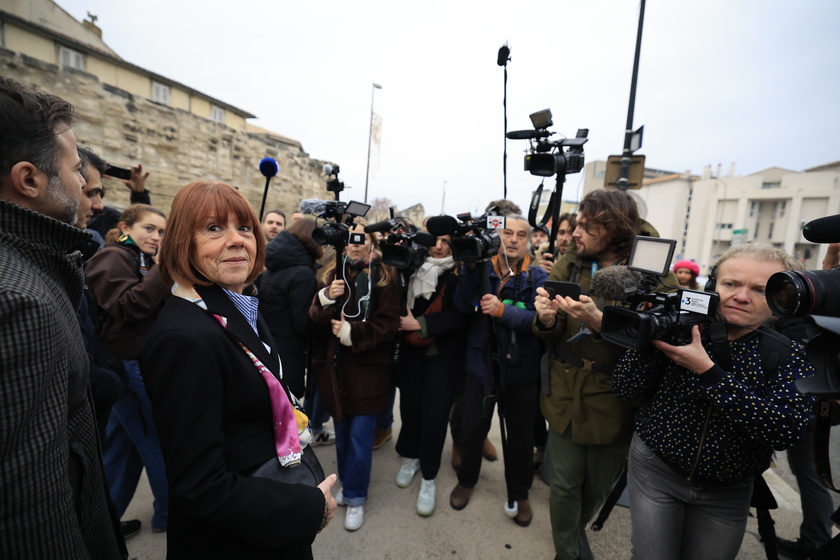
x,y
652,255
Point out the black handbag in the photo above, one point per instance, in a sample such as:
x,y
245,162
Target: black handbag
x,y
308,471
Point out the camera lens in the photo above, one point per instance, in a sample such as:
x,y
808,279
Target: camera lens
x,y
795,293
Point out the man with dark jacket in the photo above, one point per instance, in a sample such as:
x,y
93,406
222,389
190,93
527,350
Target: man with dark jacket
x,y
52,490
500,320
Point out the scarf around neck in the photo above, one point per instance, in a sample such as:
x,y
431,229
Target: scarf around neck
x,y
424,281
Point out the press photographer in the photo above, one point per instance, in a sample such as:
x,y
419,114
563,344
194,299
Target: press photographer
x,y
589,427
712,413
497,292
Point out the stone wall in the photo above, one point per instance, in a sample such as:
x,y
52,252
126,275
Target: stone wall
x,y
174,145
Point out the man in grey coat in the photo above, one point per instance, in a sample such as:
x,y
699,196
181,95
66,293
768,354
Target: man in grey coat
x,y
52,492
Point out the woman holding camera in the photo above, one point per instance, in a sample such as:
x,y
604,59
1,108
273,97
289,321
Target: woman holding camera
x,y
356,315
713,412
431,369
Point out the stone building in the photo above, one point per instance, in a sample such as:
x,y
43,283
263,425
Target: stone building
x,y
130,115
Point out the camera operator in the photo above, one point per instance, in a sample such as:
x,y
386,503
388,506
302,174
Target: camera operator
x,y
590,428
713,412
509,306
431,369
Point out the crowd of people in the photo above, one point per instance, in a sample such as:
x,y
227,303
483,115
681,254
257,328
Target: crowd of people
x,y
212,348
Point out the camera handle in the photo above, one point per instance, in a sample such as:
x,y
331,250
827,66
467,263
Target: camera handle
x,y
552,212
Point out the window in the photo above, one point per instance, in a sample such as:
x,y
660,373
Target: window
x,y
770,231
782,211
752,208
776,185
217,114
755,235
160,93
775,209
70,58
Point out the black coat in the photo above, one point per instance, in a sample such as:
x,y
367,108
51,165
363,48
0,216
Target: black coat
x,y
213,414
286,290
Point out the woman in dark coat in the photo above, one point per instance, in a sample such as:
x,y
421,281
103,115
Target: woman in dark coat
x,y
213,375
286,291
360,335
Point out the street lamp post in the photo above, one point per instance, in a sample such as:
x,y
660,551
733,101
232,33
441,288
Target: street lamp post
x,y
370,136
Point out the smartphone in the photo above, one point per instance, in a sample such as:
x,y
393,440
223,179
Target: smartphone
x,y
118,172
565,289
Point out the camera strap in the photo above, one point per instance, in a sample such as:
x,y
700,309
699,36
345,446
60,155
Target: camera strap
x,y
822,431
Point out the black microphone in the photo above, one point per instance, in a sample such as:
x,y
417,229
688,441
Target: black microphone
x,y
527,134
615,282
441,225
823,230
379,227
269,167
504,55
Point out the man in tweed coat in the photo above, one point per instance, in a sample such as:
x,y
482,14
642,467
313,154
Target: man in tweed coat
x,y
52,493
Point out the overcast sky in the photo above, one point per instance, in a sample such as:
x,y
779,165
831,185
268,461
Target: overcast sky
x,y
754,82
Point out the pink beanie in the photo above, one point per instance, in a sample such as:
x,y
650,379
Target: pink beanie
x,y
690,265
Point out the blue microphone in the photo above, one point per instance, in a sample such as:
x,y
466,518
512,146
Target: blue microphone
x,y
269,168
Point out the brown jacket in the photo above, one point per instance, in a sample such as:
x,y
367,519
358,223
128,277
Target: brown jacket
x,y
128,300
360,383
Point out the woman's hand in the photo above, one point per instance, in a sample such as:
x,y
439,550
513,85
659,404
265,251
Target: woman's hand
x,y
692,356
409,323
329,510
336,289
337,324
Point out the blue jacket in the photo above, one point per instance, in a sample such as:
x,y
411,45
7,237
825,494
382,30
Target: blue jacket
x,y
515,319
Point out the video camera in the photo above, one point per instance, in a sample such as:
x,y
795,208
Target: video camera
x,y
815,294
334,231
670,317
473,239
404,247
549,158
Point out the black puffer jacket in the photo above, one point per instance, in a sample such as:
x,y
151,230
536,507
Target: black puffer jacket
x,y
286,291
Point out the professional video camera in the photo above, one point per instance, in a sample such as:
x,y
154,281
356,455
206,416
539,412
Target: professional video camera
x,y
334,231
404,247
670,317
549,158
473,239
815,293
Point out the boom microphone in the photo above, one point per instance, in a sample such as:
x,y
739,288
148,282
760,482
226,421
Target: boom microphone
x,y
504,55
379,227
615,282
527,134
269,167
314,206
441,225
823,230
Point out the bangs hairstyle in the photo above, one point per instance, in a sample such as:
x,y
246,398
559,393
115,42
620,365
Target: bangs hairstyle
x,y
191,208
617,212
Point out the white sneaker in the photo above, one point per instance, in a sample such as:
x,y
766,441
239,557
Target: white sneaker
x,y
407,472
324,437
354,517
426,497
339,496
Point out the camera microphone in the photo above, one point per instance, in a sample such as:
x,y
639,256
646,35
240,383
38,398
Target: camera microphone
x,y
314,206
504,55
823,230
269,167
615,282
441,225
379,227
527,134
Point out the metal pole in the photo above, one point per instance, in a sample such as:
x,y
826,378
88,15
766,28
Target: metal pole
x,y
627,154
373,89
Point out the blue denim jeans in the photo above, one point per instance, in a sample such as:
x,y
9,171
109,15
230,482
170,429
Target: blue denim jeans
x,y
354,455
131,442
674,519
314,408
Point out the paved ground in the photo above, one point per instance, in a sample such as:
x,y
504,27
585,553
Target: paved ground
x,y
393,530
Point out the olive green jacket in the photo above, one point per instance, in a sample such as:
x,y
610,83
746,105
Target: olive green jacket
x,y
581,398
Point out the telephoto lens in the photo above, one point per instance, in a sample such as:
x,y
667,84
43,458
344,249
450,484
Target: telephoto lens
x,y
796,293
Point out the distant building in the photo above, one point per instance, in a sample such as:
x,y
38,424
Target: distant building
x,y
129,114
707,214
